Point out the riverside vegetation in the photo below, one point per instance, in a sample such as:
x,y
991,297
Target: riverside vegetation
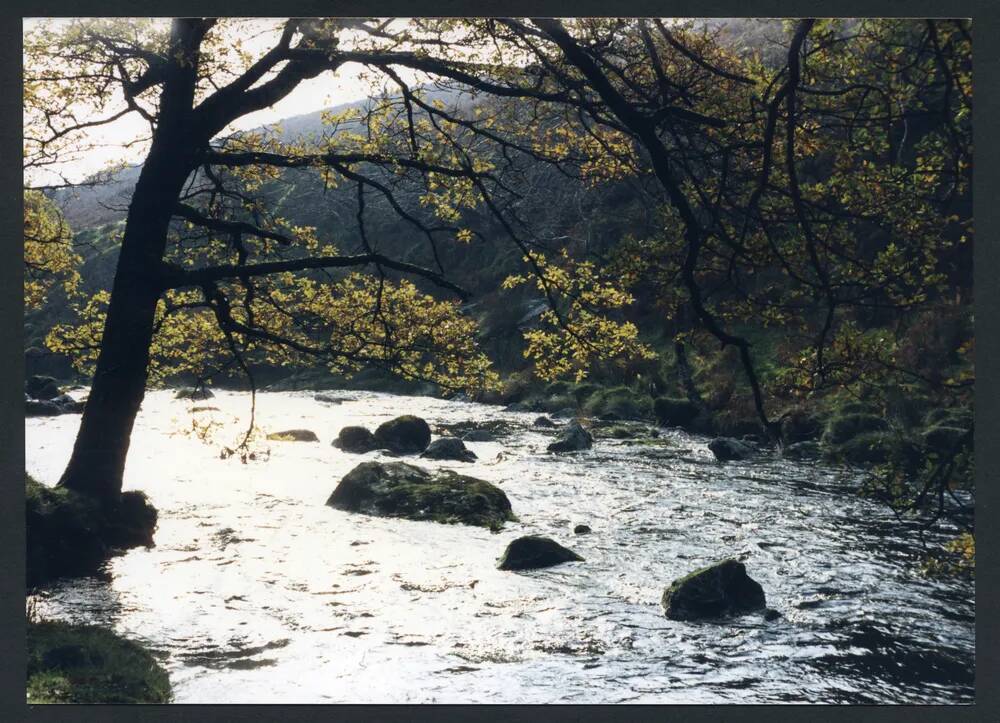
x,y
758,232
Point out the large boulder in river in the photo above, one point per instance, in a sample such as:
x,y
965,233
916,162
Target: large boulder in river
x,y
543,421
397,489
449,448
294,435
355,439
726,449
572,439
533,552
196,393
712,592
41,387
404,435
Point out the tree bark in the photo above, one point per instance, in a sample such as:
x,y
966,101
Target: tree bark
x,y
117,389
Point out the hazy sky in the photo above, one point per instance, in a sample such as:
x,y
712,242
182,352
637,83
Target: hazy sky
x,y
311,95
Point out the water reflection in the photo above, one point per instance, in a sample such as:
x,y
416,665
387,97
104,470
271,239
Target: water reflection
x,y
257,592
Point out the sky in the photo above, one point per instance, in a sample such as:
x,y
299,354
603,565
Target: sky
x,y
311,95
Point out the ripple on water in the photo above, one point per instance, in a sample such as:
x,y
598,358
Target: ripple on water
x,y
258,592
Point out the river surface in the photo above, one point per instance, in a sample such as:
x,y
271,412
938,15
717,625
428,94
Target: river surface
x,y
256,592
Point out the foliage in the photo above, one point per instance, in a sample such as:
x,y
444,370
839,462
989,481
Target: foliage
x,y
49,258
84,664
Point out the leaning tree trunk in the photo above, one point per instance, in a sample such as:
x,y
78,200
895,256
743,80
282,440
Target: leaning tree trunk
x,y
119,383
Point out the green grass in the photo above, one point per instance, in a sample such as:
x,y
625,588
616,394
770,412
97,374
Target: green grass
x,y
86,664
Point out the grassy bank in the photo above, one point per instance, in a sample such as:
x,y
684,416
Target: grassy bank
x,y
87,664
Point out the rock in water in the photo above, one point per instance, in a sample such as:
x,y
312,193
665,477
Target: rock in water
x,y
581,530
572,439
404,435
198,393
40,387
41,408
355,439
398,489
479,435
294,435
533,552
449,448
328,398
714,591
543,421
726,449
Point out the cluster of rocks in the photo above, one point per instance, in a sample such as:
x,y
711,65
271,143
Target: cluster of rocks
x,y
43,397
403,435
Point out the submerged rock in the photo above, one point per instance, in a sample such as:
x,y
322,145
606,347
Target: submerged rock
x,y
543,421
398,489
726,449
533,552
196,393
449,448
294,435
357,440
572,439
404,435
714,591
328,398
479,435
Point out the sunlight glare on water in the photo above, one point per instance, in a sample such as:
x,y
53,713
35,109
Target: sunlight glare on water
x,y
256,592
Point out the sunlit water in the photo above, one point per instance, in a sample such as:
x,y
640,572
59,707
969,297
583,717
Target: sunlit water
x,y
256,592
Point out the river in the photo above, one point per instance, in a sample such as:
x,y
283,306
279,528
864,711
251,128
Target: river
x,y
256,592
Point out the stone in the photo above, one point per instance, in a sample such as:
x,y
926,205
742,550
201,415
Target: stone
x,y
574,438
199,393
328,398
294,435
449,448
802,450
404,435
479,435
533,552
357,440
41,387
398,489
726,449
715,591
543,421
581,530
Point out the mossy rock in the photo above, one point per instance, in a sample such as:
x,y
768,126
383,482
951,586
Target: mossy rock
x,y
843,428
42,387
715,591
89,665
727,449
294,435
557,403
572,439
582,392
802,450
69,534
404,435
403,490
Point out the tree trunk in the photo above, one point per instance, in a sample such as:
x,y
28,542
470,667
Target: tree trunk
x,y
119,382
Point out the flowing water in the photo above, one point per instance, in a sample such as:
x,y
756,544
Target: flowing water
x,y
256,592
